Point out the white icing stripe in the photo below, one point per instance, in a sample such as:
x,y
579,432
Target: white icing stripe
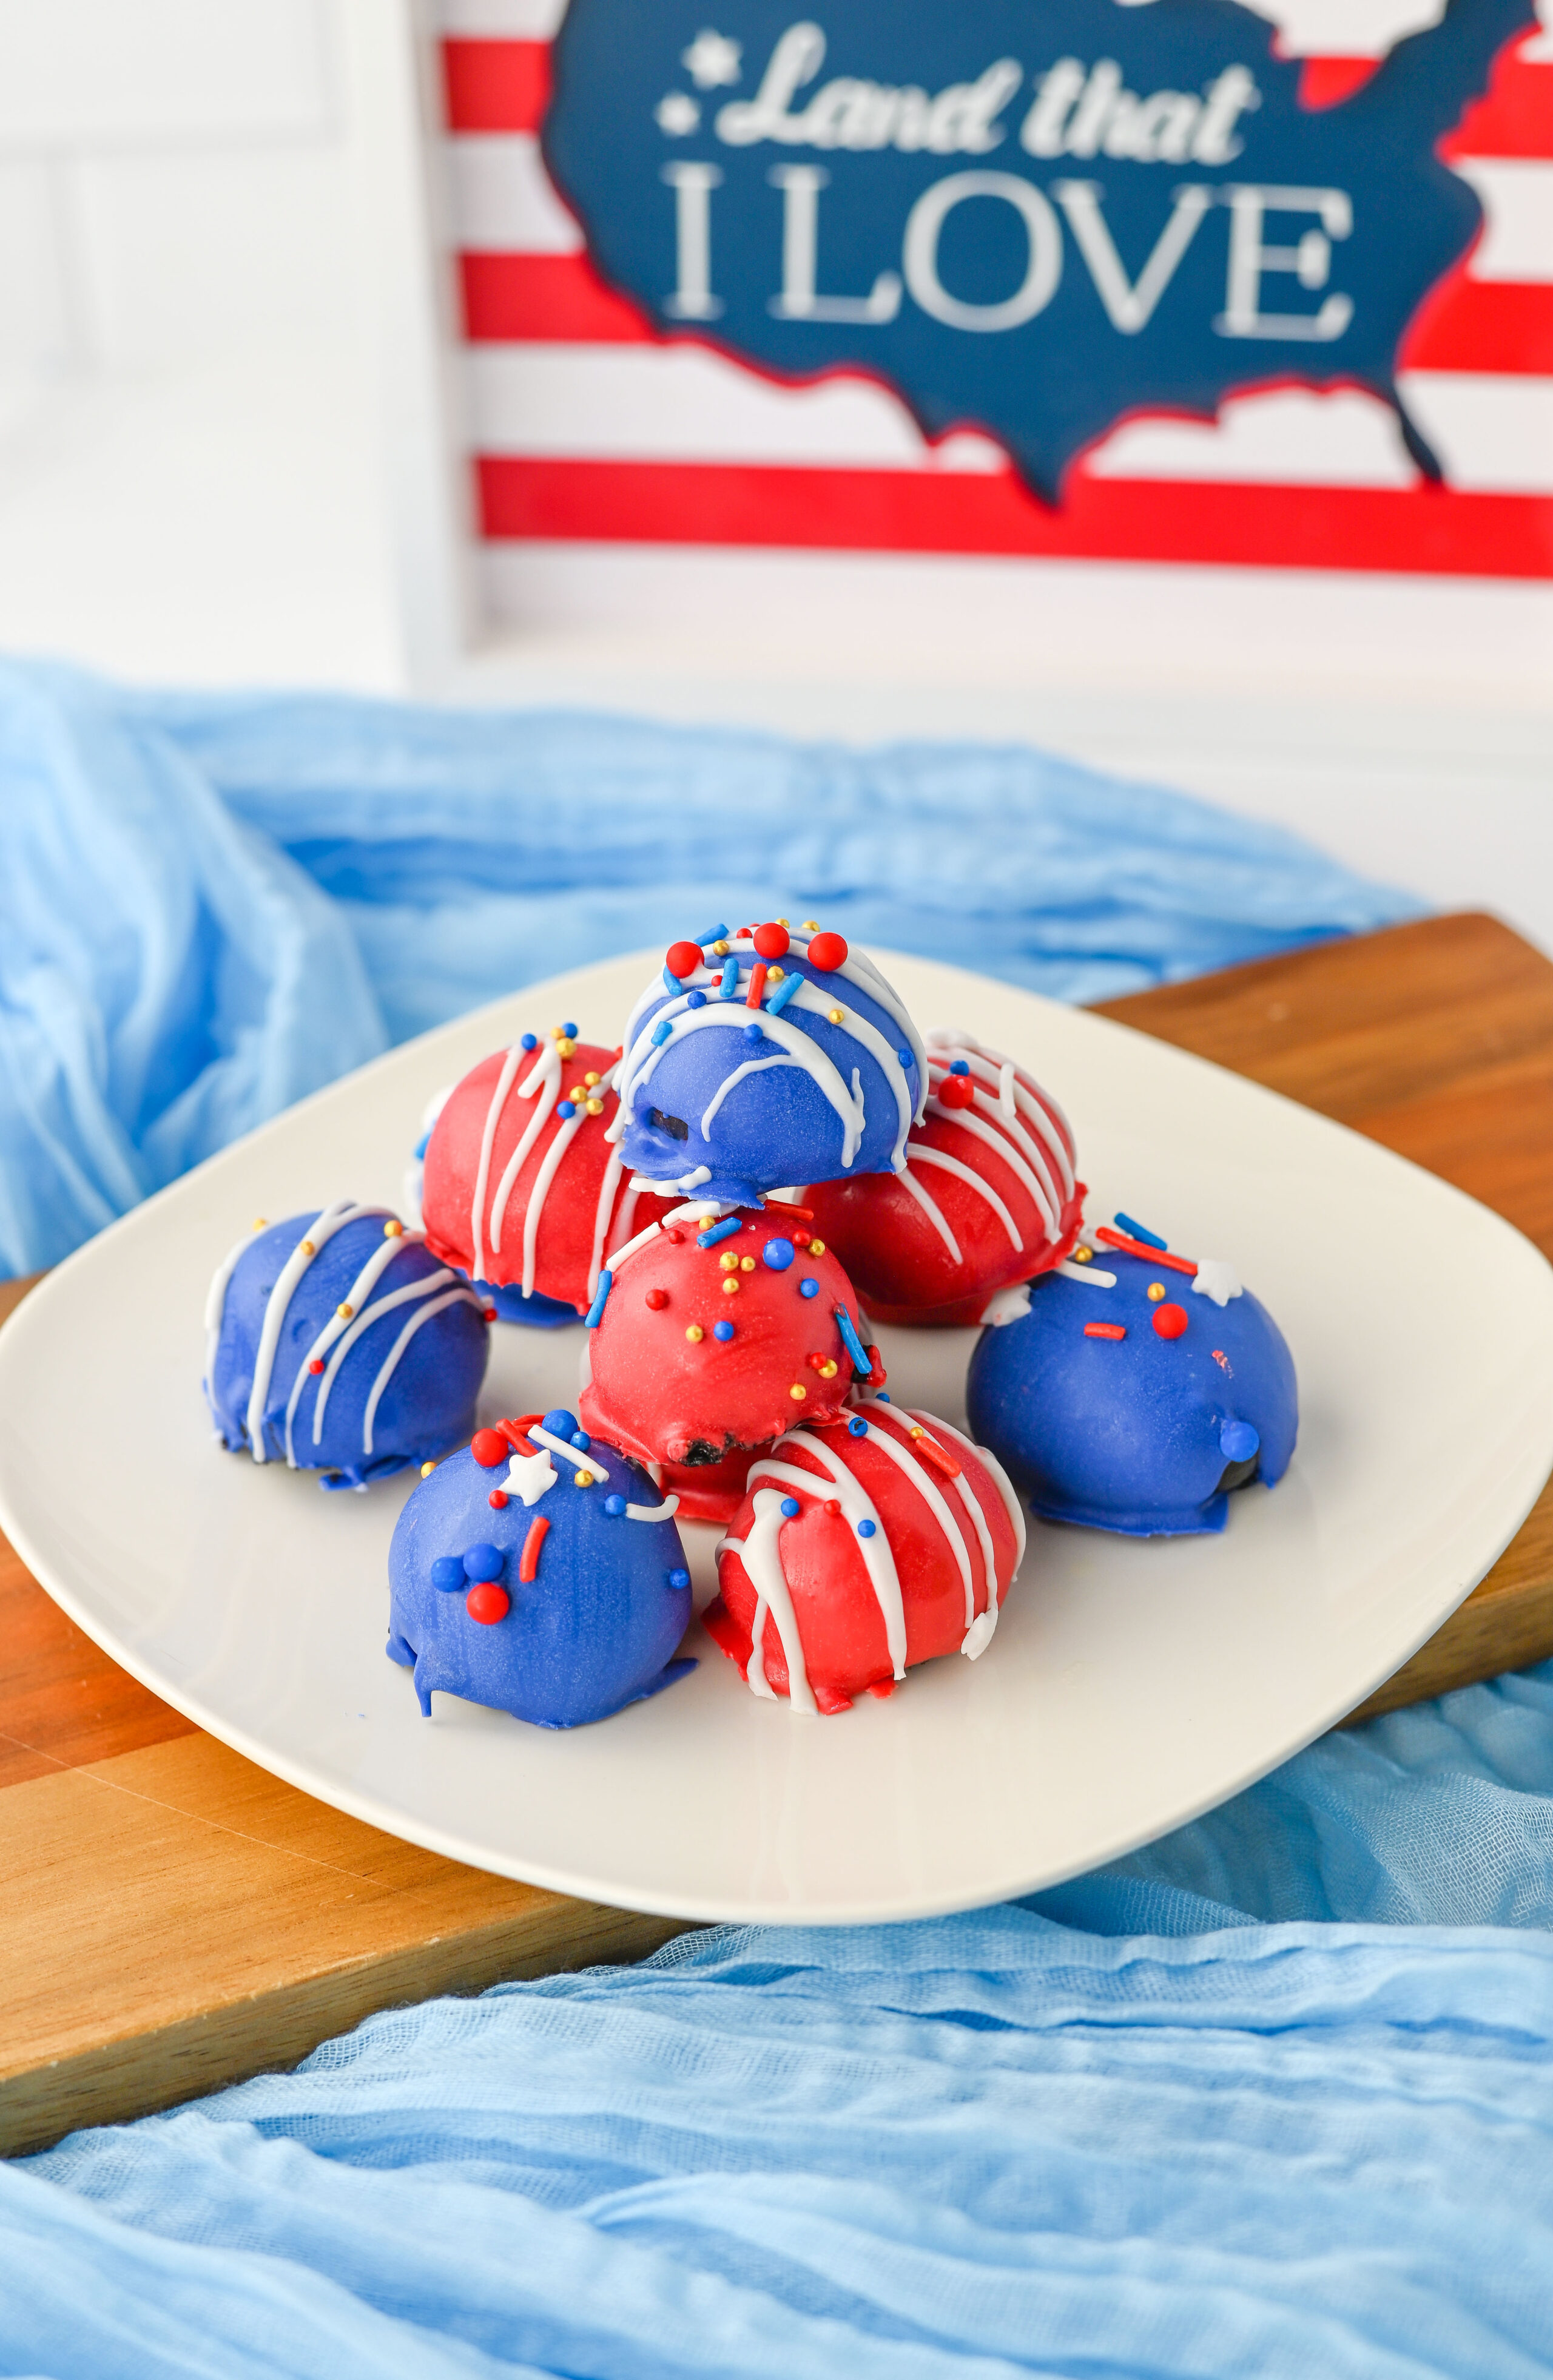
x,y
1050,1196
215,1303
760,1554
543,1076
540,1192
926,1156
391,1361
1031,1099
995,1136
878,1555
1005,1090
510,1064
316,1235
819,1003
602,1214
750,1066
1002,1482
860,969
933,1211
908,1461
411,1291
355,1296
789,1037
986,1621
621,1255
1096,1275
572,1456
664,1512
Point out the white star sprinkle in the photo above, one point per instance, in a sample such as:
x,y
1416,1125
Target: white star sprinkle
x,y
712,60
677,113
531,1477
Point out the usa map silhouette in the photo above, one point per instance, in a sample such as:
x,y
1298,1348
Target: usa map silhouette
x,y
1029,217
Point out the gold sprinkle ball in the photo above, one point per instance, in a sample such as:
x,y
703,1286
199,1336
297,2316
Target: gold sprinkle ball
x,y
426,1469
835,1016
566,1048
728,1261
775,974
746,1264
783,922
309,1249
695,1333
260,1224
720,949
591,1078
817,1247
811,925
798,1393
344,1312
393,1229
731,1285
1156,1291
1084,1255
584,1479
828,1370
595,1107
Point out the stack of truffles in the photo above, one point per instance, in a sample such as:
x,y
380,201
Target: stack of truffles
x,y
773,1158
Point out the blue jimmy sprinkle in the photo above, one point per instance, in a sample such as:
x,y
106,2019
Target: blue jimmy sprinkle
x,y
729,987
715,1232
718,934
783,994
596,1311
661,1031
1140,1231
671,980
422,1145
851,1341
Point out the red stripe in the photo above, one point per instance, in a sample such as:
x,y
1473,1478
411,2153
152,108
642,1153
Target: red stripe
x,y
1491,326
1327,82
1514,118
528,1560
495,86
508,297
1482,326
1430,529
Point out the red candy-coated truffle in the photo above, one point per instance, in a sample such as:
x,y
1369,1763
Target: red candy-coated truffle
x,y
489,1448
683,958
988,1198
554,1202
827,951
864,1546
724,1364
772,942
1170,1320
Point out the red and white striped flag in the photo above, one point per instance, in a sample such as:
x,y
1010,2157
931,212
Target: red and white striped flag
x,y
589,426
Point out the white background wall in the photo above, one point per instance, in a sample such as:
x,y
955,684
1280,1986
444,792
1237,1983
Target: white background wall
x,y
192,491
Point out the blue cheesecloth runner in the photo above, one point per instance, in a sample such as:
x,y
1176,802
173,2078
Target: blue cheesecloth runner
x,y
1274,2096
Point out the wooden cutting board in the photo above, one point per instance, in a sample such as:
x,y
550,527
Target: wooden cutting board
x,y
176,1918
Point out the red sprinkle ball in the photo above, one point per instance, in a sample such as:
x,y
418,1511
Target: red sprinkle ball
x,y
827,951
772,942
1170,1320
489,1448
488,1602
317,1364
657,1299
497,1499
683,958
957,1092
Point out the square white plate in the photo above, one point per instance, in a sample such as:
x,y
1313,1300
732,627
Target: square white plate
x,y
1131,1684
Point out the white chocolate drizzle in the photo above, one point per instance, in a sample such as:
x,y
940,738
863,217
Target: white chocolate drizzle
x,y
1096,1275
391,1361
317,1235
955,1165
353,1322
664,1512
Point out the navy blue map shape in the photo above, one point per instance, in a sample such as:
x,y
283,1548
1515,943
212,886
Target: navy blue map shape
x,y
1030,217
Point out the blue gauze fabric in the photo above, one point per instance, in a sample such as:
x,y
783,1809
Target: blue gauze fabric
x,y
210,906
1126,2128
1273,2096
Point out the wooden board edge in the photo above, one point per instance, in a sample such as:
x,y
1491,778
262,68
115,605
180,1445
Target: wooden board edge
x,y
114,2082
1481,1639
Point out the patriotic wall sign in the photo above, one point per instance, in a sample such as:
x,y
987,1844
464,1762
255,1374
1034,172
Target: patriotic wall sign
x,y
1166,281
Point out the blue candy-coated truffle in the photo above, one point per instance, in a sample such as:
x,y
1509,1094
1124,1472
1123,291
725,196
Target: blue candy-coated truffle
x,y
397,1376
1145,1435
597,1627
729,1103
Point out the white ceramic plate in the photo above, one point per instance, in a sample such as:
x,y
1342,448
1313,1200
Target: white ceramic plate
x,y
1131,1684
